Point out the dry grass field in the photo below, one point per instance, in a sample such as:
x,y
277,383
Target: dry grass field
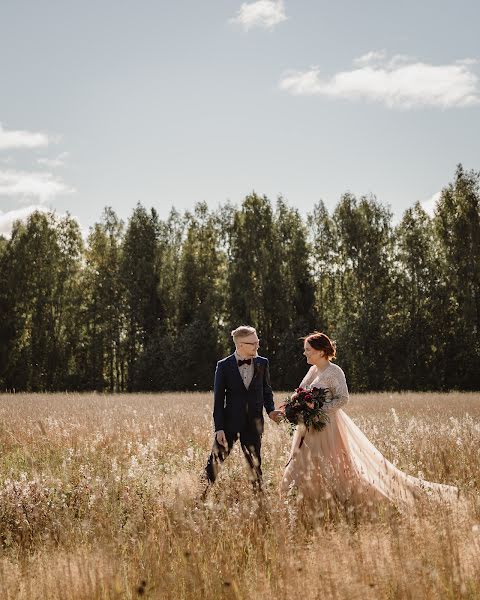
x,y
98,500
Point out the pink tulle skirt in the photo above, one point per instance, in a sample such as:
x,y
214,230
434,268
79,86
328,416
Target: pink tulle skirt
x,y
339,463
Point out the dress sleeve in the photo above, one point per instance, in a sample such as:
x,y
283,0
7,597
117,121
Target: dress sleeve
x,y
309,377
337,385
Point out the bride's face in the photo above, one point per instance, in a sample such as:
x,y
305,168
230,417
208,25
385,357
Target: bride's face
x,y
312,355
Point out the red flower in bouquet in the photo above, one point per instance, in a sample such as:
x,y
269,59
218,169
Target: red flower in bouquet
x,y
305,406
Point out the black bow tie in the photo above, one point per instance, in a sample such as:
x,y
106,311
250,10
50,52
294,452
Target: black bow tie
x,y
247,361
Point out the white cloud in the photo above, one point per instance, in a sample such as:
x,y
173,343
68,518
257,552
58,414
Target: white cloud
x,y
34,188
263,13
468,61
375,56
430,204
401,82
22,139
54,162
8,218
24,185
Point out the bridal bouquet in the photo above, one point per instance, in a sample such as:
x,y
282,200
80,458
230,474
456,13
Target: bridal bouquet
x,y
305,406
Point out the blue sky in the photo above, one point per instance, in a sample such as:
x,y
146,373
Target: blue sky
x,y
170,103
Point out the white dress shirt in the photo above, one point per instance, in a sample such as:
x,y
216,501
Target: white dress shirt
x,y
246,371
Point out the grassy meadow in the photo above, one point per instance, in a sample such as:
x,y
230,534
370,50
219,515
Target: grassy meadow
x,y
99,500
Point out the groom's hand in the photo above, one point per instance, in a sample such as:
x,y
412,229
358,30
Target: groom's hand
x,y
221,439
276,415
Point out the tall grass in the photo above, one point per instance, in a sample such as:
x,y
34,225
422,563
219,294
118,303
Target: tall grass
x,y
99,499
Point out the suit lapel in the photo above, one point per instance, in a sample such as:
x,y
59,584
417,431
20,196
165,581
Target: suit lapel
x,y
256,363
234,367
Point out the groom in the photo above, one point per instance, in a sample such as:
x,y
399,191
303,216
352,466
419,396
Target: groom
x,y
241,391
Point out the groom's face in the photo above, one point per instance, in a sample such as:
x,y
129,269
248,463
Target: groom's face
x,y
248,346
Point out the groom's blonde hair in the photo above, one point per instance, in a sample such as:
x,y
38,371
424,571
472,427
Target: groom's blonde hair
x,y
243,331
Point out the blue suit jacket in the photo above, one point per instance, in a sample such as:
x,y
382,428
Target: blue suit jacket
x,y
236,408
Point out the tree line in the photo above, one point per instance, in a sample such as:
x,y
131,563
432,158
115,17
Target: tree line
x,y
148,305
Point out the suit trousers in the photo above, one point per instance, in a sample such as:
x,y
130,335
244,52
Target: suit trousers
x,y
251,443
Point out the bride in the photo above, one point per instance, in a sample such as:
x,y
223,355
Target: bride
x,y
339,464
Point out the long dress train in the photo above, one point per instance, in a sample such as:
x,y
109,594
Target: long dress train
x,y
339,463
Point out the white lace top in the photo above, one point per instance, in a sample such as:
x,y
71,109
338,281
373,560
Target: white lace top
x,y
332,378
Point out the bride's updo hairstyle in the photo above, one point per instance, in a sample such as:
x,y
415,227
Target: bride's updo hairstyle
x,y
320,341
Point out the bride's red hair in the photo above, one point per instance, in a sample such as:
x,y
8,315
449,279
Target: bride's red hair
x,y
321,341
